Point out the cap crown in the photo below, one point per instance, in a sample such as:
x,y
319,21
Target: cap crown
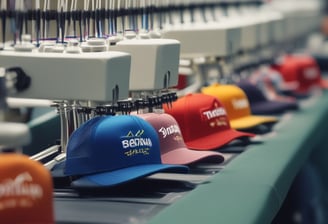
x,y
199,115
309,72
110,143
253,93
301,69
233,99
168,130
26,191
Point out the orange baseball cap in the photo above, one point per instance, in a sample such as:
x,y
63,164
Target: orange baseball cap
x,y
237,105
26,191
203,122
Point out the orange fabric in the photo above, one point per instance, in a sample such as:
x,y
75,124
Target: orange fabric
x,y
26,191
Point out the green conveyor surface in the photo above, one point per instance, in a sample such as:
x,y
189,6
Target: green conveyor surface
x,y
253,186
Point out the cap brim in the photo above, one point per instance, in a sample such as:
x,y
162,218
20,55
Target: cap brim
x,y
186,156
216,140
251,121
232,149
58,170
273,107
107,179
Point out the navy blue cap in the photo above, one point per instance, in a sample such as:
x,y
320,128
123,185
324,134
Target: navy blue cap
x,y
261,105
111,150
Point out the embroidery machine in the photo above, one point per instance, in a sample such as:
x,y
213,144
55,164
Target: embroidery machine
x,y
77,85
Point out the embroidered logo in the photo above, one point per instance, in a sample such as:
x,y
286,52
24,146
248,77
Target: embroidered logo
x,y
217,116
172,129
240,103
136,143
219,122
19,192
310,73
217,112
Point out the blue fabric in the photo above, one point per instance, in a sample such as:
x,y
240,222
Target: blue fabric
x,y
126,174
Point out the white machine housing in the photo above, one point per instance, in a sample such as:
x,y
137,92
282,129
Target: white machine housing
x,y
210,39
63,76
13,135
151,61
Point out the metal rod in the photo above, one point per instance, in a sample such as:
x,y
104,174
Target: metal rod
x,y
3,94
45,153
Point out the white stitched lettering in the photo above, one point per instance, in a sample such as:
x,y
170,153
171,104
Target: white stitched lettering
x,y
20,187
169,130
240,103
310,73
217,112
136,142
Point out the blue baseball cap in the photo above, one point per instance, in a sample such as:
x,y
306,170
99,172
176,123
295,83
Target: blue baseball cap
x,y
111,150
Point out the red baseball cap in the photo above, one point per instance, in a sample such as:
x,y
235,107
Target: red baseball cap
x,y
172,146
303,70
203,121
26,195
